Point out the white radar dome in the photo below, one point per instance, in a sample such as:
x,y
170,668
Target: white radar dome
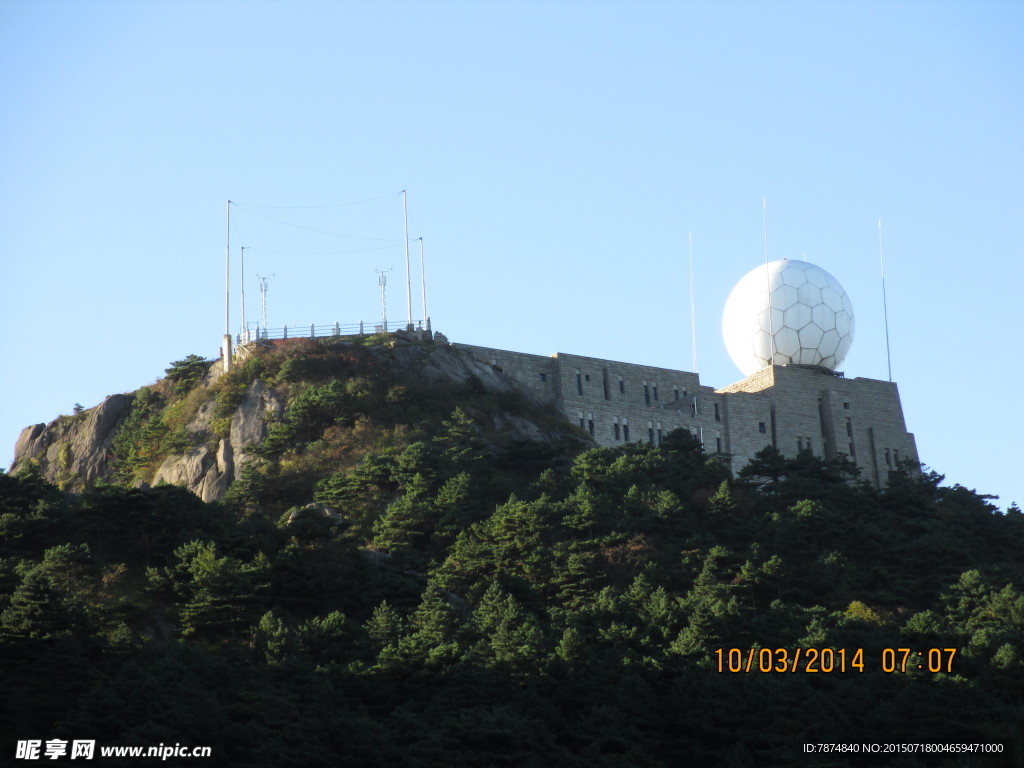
x,y
787,313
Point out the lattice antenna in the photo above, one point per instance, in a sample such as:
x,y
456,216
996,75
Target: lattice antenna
x,y
382,278
263,297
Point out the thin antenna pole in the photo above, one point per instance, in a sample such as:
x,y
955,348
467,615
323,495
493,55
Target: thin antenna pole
x,y
768,279
382,278
885,306
245,328
408,279
423,279
693,311
227,275
263,297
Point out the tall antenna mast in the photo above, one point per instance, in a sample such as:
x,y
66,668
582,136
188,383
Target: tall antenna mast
x,y
227,274
382,278
245,328
423,279
885,307
693,311
768,279
263,296
226,344
408,278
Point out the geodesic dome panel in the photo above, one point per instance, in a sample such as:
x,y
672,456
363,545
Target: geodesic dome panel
x,y
792,312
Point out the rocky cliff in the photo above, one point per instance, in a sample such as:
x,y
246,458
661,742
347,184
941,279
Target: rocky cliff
x,y
77,451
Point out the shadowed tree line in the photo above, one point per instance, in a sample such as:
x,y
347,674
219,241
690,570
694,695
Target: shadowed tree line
x,y
453,602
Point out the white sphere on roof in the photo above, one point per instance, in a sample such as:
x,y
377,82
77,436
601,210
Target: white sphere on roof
x,y
787,313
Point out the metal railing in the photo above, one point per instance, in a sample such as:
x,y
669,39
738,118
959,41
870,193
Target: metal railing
x,y
313,331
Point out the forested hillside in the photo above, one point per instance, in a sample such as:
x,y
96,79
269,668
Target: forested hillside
x,y
392,580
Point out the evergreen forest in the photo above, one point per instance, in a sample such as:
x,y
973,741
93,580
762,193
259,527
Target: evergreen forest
x,y
393,582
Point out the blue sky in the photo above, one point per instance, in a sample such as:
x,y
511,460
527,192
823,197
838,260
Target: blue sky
x,y
556,157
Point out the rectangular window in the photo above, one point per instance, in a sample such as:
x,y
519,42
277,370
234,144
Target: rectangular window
x,y
799,444
655,388
582,424
718,444
846,406
650,435
590,426
853,453
675,393
543,376
647,394
888,458
808,441
762,428
896,456
618,434
579,383
586,378
622,386
693,408
625,432
659,435
849,428
718,415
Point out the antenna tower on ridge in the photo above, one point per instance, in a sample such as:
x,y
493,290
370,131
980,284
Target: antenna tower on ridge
x,y
382,278
263,297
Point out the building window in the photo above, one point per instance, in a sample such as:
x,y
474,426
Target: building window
x,y
647,394
586,377
579,383
582,424
655,388
799,444
675,393
888,458
590,426
849,428
718,415
718,444
693,408
618,435
762,428
846,406
659,435
622,386
625,432
896,456
543,376
808,441
853,453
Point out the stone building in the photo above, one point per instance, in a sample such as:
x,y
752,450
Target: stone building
x,y
790,407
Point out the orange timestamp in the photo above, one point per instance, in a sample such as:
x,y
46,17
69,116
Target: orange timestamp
x,y
828,660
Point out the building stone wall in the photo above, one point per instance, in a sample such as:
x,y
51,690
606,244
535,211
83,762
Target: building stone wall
x,y
790,407
861,418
